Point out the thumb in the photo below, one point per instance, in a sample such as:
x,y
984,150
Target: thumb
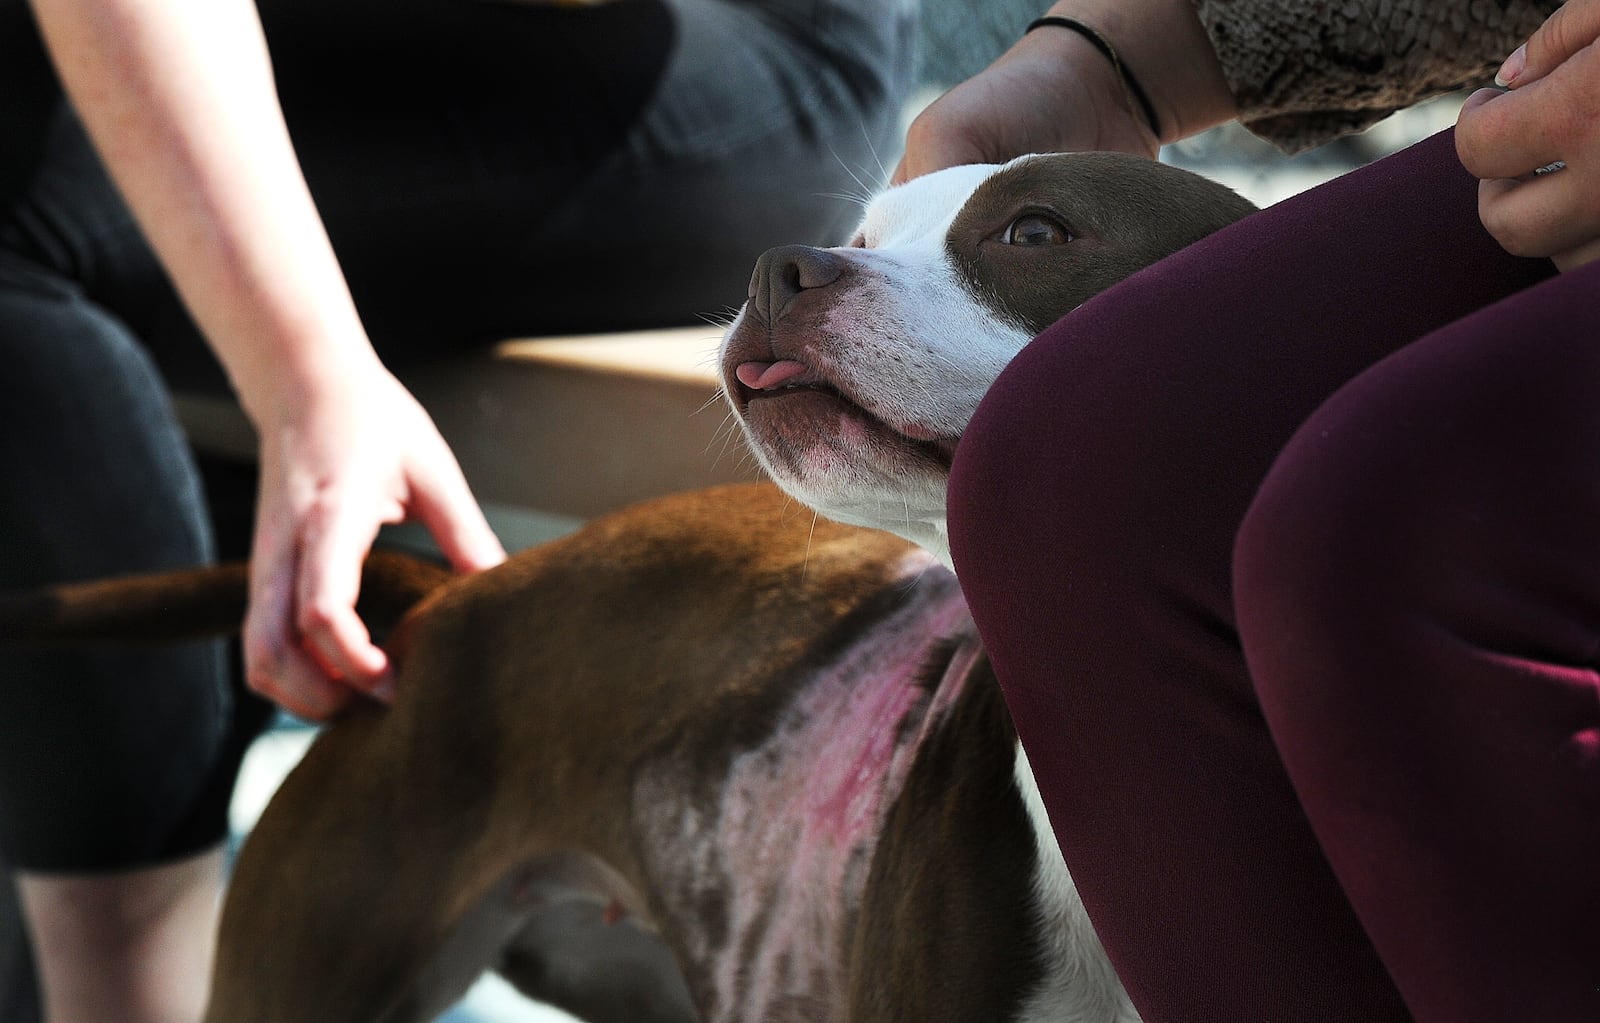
x,y
1569,29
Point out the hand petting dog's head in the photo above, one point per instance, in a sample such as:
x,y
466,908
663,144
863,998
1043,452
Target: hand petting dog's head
x,y
854,371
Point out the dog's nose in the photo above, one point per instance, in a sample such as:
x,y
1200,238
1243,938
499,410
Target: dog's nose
x,y
786,271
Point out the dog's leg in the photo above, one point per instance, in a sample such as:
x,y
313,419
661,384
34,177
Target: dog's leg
x,y
591,958
413,848
331,912
374,889
560,929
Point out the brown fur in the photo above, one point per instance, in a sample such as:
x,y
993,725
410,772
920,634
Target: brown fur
x,y
1123,213
493,816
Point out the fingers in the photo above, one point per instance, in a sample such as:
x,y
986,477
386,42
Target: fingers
x,y
1536,150
321,508
1569,29
335,539
1538,217
1051,92
444,504
1551,106
276,665
935,141
333,472
1508,135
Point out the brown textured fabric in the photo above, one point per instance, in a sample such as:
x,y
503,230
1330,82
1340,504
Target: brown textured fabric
x,y
1305,71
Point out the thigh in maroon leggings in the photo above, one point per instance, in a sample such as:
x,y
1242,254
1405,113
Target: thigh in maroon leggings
x,y
1094,508
1418,588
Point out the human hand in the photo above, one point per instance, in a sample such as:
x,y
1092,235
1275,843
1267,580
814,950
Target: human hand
x,y
1051,92
1550,113
179,98
333,469
1054,91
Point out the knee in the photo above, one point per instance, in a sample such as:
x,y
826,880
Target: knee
x,y
1029,486
1351,560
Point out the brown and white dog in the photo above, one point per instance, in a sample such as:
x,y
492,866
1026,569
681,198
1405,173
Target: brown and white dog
x,y
854,371
706,759
709,759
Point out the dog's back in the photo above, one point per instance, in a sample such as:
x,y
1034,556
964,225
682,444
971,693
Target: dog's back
x,y
709,734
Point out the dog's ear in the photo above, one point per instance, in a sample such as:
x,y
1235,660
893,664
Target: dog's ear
x,y
170,607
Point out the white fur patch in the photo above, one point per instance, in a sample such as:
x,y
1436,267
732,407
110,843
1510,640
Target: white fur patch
x,y
915,348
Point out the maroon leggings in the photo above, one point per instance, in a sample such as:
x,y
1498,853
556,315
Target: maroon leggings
x,y
1287,553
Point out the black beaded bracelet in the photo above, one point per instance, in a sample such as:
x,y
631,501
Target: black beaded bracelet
x,y
1100,43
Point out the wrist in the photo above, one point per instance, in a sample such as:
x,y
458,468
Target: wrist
x,y
1164,47
1066,71
1133,93
289,380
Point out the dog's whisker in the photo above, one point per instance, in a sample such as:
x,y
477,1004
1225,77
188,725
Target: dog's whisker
x,y
714,400
872,148
722,320
805,562
908,585
867,189
727,432
849,197
744,461
845,166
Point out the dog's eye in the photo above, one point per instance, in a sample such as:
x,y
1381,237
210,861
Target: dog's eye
x,y
858,242
1035,229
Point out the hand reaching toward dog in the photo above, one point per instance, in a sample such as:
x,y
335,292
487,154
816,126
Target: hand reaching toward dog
x,y
178,96
1511,141
1073,101
1054,91
333,469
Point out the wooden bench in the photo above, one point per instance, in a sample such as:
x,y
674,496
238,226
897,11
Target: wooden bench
x,y
552,431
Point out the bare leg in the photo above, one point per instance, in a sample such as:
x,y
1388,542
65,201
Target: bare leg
x,y
135,947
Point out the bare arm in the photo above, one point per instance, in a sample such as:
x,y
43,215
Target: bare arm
x,y
178,96
1297,72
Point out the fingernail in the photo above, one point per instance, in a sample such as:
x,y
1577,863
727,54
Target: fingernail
x,y
383,689
1513,67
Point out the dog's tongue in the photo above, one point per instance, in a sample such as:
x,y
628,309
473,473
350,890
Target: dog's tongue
x,y
763,376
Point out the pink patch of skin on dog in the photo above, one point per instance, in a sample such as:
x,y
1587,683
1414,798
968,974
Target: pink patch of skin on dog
x,y
852,432
801,814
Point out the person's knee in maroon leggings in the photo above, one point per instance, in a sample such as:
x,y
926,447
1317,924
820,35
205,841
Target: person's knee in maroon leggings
x,y
1418,592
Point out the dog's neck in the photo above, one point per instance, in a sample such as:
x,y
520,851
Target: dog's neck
x,y
932,536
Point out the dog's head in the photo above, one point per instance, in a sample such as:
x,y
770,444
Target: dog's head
x,y
854,371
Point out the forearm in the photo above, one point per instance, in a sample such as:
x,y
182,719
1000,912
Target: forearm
x,y
179,98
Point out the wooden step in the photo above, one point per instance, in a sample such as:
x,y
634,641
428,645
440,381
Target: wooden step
x,y
567,426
